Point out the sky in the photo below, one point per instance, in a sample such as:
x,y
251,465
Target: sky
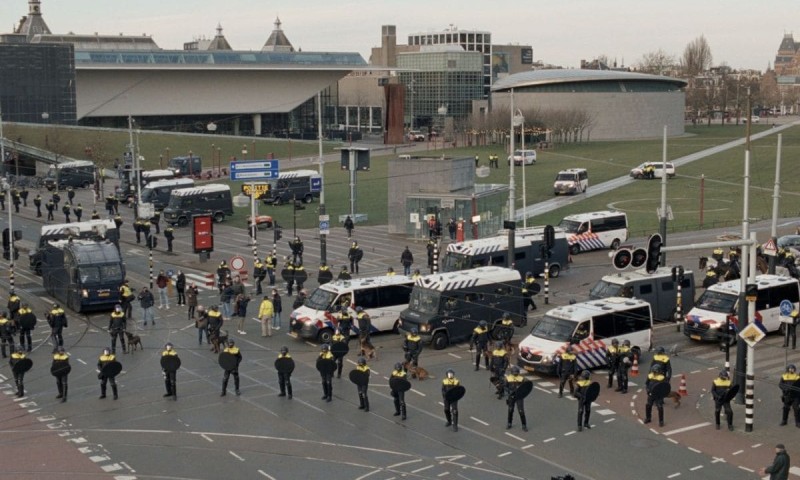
x,y
741,33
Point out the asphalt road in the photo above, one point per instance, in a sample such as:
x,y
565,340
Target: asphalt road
x,y
258,435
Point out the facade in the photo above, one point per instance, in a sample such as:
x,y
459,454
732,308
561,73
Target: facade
x,y
442,186
616,105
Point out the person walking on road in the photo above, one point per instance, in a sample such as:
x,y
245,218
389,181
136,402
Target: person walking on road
x,y
266,312
285,377
512,382
17,355
349,226
655,377
57,320
480,340
180,287
450,407
790,394
355,254
232,349
584,405
146,302
161,282
170,375
779,469
567,370
406,259
719,391
191,299
105,358
277,308
60,369
662,358
399,395
116,327
363,369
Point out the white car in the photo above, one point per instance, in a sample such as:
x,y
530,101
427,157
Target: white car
x,y
523,157
753,118
638,172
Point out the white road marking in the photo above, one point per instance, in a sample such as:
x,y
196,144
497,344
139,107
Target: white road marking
x,y
795,471
718,460
82,361
443,474
570,433
695,371
418,392
695,468
527,446
756,445
111,468
543,390
746,469
515,437
416,460
686,429
262,472
674,475
549,439
694,450
609,420
505,454
672,440
479,421
738,452
207,437
236,456
99,458
605,412
547,384
422,469
455,356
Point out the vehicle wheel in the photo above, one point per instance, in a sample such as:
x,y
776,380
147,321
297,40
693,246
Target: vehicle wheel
x,y
183,221
325,335
555,271
584,189
219,217
574,249
439,341
396,326
86,185
278,201
308,198
615,244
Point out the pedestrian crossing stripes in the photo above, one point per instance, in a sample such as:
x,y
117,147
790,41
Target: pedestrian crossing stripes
x,y
206,281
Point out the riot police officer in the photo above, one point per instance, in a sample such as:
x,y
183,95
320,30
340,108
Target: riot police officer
x,y
512,383
27,320
364,326
61,367
584,405
399,396
529,289
345,321
285,378
170,376
499,363
790,394
504,330
37,202
14,304
105,358
296,246
719,391
662,358
625,355
169,234
412,346
259,273
327,378
335,338
480,340
363,399
19,377
116,327
612,360
270,263
232,349
6,334
655,377
78,211
450,408
566,370
57,320
344,274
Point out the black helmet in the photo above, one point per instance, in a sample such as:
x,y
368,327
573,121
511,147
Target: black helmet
x,y
724,374
231,343
398,366
450,373
414,331
515,370
660,350
284,350
657,368
791,367
568,349
498,344
585,374
60,350
528,274
326,347
506,315
362,361
168,346
106,351
626,343
614,342
482,323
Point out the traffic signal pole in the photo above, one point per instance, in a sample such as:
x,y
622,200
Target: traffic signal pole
x,y
662,224
323,238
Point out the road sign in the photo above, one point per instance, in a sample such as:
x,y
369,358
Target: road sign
x,y
316,184
787,308
770,248
752,334
262,188
324,224
237,263
254,170
170,273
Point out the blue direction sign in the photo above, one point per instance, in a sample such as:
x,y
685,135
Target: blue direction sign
x,y
786,308
255,170
316,184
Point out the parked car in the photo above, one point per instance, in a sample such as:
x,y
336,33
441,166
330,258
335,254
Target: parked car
x,y
523,157
753,118
792,242
638,172
416,136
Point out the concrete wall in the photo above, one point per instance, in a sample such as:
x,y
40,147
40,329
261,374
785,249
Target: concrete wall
x,y
616,116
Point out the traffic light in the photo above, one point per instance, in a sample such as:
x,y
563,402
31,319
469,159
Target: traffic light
x,y
653,252
622,258
549,236
639,257
278,233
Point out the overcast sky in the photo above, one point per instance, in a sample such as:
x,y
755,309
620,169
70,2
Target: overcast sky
x,y
741,33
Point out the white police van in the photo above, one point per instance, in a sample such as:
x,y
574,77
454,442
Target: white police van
x,y
707,320
383,298
589,327
595,230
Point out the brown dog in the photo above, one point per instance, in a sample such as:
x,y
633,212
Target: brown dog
x,y
218,338
676,398
368,350
134,341
416,372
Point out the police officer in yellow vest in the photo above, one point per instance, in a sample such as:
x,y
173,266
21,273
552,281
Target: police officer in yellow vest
x,y
105,358
450,408
232,349
655,377
584,406
19,378
6,334
363,399
612,360
170,377
567,368
60,361
499,364
26,317
57,320
259,274
662,358
416,275
528,288
399,397
269,264
719,390
790,394
327,379
126,299
512,382
625,355
412,346
116,327
480,339
338,337
14,304
285,379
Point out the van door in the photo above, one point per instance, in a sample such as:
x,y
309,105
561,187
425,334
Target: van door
x,y
646,290
367,298
768,303
392,299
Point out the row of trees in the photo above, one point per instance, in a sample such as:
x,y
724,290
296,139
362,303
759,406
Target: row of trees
x,y
564,126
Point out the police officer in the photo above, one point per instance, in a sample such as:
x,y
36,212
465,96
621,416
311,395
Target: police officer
x,y
285,379
363,399
223,272
344,274
662,358
116,327
6,334
512,382
584,406
625,355
126,296
118,221
19,377
480,339
345,321
26,317
95,215
299,275
259,273
399,397
110,204
324,275
56,198
364,326
57,320
499,363
412,346
790,395
528,287
50,207
355,254
170,377
155,220
15,199
335,338
78,211
105,358
505,331
791,330
23,194
61,360
169,234
66,211
655,377
269,264
612,360
137,229
70,194
3,199
450,408
288,273
719,390
14,303
233,350
296,246
37,202
327,378
416,275
567,369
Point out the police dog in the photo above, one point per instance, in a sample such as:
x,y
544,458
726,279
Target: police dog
x,y
676,398
134,341
367,350
217,338
416,372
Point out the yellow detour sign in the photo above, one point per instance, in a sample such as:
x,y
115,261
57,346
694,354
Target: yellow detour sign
x,y
262,188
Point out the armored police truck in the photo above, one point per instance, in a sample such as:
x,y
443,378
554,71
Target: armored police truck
x,y
657,288
214,199
446,307
158,192
84,275
294,185
127,187
88,230
528,252
78,173
186,166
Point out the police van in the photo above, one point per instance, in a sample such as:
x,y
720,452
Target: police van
x,y
589,327
657,288
707,320
528,252
595,230
88,230
158,192
446,307
213,199
294,185
381,297
571,181
126,190
78,173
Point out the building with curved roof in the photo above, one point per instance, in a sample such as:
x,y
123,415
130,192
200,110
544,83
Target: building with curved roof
x,y
618,105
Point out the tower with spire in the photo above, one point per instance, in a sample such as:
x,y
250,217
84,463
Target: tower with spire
x,y
33,23
219,42
277,41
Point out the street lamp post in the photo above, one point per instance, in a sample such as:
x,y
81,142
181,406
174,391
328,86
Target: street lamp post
x,y
323,243
511,165
519,119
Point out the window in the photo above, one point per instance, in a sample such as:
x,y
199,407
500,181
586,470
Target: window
x,y
603,326
763,300
367,298
519,256
783,292
645,289
394,295
498,260
582,331
667,286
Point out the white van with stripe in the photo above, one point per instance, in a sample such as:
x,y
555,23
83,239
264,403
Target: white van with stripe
x,y
595,230
589,327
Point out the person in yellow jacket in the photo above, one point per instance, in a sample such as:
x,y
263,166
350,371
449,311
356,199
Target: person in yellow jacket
x,y
265,314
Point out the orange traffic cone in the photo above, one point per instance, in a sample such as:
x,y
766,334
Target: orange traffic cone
x,y
682,388
635,367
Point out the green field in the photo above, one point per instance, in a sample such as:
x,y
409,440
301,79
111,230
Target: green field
x,y
604,160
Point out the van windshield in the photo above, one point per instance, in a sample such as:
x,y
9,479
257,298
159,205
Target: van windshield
x,y
603,289
147,193
554,329
424,301
456,261
320,299
566,177
570,226
111,272
717,302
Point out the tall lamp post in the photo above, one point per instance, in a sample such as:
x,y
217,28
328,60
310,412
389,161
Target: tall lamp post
x,y
519,120
7,187
323,243
511,164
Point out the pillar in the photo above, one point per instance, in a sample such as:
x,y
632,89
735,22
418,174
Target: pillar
x,y
257,124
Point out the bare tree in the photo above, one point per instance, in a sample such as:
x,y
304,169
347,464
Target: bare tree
x,y
696,57
656,63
